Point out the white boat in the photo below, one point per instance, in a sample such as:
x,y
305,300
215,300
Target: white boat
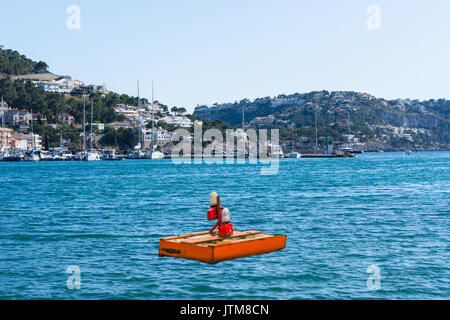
x,y
277,153
44,156
84,155
157,155
13,156
66,155
56,157
351,150
110,155
137,154
31,156
92,156
78,156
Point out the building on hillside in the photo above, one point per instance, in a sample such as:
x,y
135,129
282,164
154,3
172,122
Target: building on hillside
x,y
16,117
5,137
3,47
162,137
178,121
275,103
39,117
100,126
78,83
4,106
117,125
126,110
49,86
139,116
101,88
147,136
262,121
157,108
62,85
55,126
16,144
65,118
24,142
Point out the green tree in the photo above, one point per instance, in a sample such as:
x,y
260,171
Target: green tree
x,y
40,67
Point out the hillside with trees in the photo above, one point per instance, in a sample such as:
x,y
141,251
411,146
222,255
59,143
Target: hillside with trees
x,y
13,63
21,93
376,123
24,94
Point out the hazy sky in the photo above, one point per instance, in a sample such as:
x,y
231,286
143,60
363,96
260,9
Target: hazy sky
x,y
201,52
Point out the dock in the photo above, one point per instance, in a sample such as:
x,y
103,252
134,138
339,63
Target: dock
x,y
313,155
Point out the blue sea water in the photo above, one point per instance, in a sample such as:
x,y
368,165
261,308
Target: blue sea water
x,y
341,216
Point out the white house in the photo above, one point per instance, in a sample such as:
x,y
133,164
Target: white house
x,y
97,88
161,137
25,142
5,136
63,85
14,117
178,121
262,121
100,126
48,86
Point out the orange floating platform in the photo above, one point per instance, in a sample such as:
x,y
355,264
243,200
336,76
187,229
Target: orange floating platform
x,y
211,248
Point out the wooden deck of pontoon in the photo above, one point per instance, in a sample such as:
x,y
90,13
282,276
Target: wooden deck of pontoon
x,y
210,248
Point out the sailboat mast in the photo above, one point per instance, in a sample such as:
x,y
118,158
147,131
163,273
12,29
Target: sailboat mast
x,y
293,139
84,123
243,118
92,119
32,134
3,126
153,118
317,139
139,104
348,122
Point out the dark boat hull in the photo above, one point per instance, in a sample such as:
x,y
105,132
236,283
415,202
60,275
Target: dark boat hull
x,y
13,159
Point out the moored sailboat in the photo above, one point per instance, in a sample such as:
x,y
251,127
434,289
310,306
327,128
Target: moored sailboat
x,y
31,155
13,156
91,155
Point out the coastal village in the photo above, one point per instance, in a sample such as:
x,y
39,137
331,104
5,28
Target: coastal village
x,y
155,142
21,140
315,124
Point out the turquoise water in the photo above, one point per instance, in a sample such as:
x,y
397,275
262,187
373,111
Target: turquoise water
x,y
341,216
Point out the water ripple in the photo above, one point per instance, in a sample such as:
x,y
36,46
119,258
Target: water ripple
x,y
340,215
